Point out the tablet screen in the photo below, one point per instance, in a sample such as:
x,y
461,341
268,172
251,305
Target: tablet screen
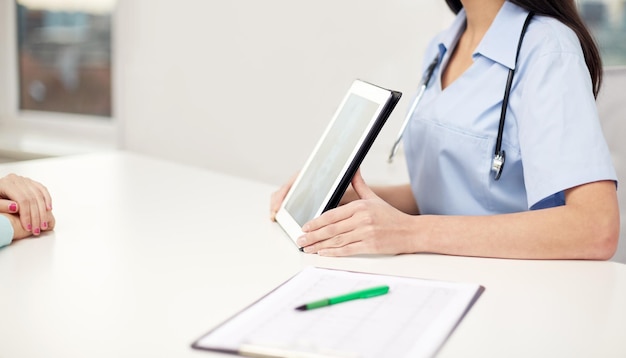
x,y
333,153
327,173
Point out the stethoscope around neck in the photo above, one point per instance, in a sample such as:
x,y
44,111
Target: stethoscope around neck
x,y
499,156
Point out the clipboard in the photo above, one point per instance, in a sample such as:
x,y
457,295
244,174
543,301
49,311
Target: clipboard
x,y
413,320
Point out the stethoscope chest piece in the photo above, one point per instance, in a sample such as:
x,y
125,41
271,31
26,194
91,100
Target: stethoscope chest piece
x,y
497,164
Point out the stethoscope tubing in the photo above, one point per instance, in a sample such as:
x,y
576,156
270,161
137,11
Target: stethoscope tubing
x,y
422,89
396,144
499,155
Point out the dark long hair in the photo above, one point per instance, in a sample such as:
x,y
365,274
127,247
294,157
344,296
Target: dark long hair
x,y
566,12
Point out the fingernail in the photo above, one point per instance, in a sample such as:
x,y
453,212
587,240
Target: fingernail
x,y
301,241
44,225
29,227
36,231
305,228
13,207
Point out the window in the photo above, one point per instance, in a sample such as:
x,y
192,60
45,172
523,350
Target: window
x,y
607,21
64,54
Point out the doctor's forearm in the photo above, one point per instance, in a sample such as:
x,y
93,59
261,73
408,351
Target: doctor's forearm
x,y
587,227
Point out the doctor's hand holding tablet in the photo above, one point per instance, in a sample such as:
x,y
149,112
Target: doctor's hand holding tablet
x,y
552,196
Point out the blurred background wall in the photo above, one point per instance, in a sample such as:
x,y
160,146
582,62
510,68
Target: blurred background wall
x,y
247,87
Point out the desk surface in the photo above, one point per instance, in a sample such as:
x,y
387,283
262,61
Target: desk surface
x,y
149,255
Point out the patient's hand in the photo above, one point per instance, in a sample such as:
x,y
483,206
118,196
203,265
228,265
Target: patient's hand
x,y
18,230
28,201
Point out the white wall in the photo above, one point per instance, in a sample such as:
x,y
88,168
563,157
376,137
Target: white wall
x,y
247,87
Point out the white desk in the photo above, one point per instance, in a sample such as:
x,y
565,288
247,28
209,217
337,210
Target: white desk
x,y
149,255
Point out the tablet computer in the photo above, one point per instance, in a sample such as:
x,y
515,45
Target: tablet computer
x,y
337,155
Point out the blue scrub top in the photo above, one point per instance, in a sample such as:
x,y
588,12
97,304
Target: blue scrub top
x,y
552,135
6,231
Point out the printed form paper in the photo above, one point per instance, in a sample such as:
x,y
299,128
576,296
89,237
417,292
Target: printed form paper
x,y
413,320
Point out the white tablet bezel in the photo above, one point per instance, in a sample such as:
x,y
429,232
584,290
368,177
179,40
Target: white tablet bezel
x,y
382,98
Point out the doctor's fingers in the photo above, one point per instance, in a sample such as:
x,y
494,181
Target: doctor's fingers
x,y
349,238
350,249
336,227
277,197
355,248
333,235
338,214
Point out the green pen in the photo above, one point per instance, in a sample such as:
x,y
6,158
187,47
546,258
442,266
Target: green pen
x,y
366,293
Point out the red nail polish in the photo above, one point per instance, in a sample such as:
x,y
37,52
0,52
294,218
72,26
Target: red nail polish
x,y
44,225
29,227
36,231
13,207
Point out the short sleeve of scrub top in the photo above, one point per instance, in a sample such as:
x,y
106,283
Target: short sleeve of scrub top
x,y
6,231
552,135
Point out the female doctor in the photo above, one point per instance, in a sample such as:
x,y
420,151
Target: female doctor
x,y
555,196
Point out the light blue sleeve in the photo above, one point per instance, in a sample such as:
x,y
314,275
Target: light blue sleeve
x,y
6,231
561,140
